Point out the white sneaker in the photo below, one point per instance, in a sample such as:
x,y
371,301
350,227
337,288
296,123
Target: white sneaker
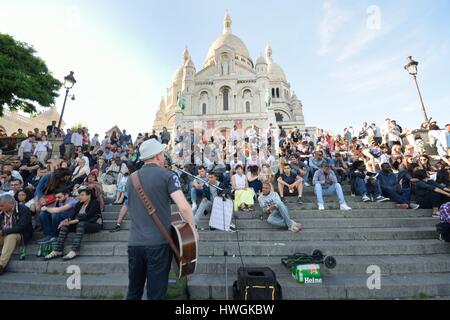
x,y
194,207
414,206
345,207
306,184
365,198
382,199
321,207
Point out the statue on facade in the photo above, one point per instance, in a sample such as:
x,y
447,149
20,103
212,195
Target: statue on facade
x,y
268,98
225,68
181,101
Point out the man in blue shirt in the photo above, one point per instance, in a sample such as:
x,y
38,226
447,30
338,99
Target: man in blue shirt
x,y
108,154
66,149
124,138
391,188
51,217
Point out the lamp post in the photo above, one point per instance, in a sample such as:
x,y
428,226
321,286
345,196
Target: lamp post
x,y
69,82
411,67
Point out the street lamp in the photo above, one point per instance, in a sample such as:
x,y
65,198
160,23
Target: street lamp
x,y
411,67
69,82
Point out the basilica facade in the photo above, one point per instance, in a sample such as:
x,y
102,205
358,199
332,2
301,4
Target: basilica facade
x,y
229,89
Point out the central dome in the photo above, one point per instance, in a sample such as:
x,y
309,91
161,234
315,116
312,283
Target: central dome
x,y
228,39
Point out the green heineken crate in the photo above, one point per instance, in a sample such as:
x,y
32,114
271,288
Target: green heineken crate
x,y
306,273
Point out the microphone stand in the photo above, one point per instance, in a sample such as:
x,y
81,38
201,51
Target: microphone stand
x,y
224,199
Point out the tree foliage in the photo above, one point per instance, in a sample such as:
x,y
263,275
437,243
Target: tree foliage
x,y
25,81
77,126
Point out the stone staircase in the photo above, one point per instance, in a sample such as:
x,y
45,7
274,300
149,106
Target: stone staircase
x,y
403,243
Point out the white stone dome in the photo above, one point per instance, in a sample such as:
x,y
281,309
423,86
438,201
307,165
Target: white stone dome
x,y
275,72
228,39
261,60
178,76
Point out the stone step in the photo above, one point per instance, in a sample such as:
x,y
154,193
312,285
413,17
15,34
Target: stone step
x,y
295,213
202,286
276,248
102,236
312,234
98,248
334,204
339,223
404,264
335,248
111,286
280,234
89,265
356,213
335,287
400,264
24,296
311,203
316,223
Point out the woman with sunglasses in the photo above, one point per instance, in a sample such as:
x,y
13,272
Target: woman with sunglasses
x,y
424,163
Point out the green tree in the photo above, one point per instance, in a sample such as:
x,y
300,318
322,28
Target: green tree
x,y
77,126
25,80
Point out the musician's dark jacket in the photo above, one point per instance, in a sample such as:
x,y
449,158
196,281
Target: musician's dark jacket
x,y
207,192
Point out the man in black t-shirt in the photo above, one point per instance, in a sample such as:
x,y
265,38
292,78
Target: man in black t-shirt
x,y
290,184
29,171
152,136
295,135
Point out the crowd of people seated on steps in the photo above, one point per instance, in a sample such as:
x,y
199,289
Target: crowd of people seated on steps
x,y
55,197
264,167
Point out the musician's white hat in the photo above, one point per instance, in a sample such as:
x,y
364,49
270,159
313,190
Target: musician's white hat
x,y
151,148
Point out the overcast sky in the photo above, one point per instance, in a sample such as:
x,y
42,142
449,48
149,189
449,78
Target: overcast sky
x,y
344,59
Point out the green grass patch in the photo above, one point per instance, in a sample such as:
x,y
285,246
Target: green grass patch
x,y
421,296
177,289
117,296
98,297
54,273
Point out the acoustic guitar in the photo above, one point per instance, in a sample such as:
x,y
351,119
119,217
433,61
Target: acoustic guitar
x,y
184,240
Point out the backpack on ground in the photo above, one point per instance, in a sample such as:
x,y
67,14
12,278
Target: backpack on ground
x,y
256,284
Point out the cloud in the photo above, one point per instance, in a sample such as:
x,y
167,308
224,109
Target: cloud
x,y
369,74
334,18
361,40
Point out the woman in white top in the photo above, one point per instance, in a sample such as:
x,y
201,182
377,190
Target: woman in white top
x,y
243,195
43,147
80,172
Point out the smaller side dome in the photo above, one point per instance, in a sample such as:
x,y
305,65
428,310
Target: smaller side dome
x,y
177,76
261,60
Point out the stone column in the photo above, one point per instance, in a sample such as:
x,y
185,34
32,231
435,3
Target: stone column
x,y
56,143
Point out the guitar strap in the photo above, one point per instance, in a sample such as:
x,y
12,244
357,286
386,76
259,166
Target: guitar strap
x,y
152,212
